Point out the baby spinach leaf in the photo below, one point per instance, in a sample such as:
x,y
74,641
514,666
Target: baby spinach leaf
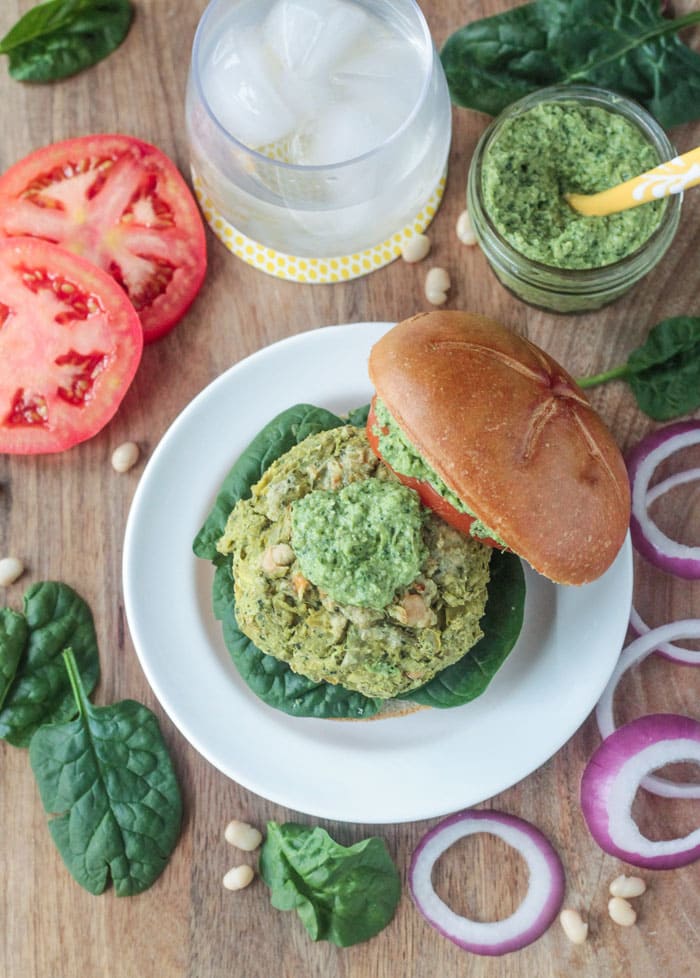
x,y
58,38
40,692
272,680
342,894
107,779
663,373
13,639
358,416
501,624
282,433
628,46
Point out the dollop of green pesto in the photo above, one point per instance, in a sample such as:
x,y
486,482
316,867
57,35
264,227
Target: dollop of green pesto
x,y
564,147
398,452
361,543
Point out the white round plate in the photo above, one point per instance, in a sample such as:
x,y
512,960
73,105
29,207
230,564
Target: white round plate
x,y
403,769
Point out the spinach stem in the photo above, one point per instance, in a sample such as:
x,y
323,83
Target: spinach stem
x,y
615,373
75,680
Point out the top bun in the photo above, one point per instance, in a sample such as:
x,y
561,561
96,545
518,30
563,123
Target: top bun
x,y
511,433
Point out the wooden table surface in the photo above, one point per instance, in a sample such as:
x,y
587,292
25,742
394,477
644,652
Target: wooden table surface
x,y
65,515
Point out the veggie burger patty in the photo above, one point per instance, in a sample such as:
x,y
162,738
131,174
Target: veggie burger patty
x,y
339,572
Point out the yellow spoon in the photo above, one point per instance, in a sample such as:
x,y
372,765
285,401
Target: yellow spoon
x,y
669,178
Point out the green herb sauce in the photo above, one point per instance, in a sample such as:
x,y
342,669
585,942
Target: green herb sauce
x,y
554,149
401,455
361,543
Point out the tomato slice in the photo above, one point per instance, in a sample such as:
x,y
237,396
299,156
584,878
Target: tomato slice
x,y
123,205
70,343
429,496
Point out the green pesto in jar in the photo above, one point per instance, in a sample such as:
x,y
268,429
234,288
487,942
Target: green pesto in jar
x,y
558,148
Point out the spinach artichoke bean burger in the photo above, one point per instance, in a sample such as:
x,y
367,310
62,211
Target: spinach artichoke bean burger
x,y
370,565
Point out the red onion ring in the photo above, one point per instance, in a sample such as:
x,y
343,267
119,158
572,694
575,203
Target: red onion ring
x,y
635,652
659,549
675,653
536,912
613,775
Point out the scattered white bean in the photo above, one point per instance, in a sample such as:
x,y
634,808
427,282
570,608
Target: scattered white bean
x,y
627,886
622,912
575,928
239,877
125,456
242,835
10,569
465,229
437,285
416,248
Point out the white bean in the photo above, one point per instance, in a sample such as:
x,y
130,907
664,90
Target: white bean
x,y
125,456
10,569
465,229
416,248
239,877
437,285
242,835
622,912
575,928
627,886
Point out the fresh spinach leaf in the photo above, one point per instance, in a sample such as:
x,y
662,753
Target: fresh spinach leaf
x,y
107,779
277,685
272,680
628,46
501,624
59,38
13,639
282,433
358,416
40,692
342,894
663,373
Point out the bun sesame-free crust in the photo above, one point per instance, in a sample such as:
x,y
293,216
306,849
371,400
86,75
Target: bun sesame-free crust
x,y
512,434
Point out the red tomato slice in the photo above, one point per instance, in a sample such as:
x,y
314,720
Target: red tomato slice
x,y
121,204
429,496
70,343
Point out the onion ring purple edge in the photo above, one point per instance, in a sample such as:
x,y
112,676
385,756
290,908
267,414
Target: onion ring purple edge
x,y
603,770
667,650
685,567
556,883
634,653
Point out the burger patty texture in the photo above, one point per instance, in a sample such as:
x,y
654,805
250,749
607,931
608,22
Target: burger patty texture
x,y
340,573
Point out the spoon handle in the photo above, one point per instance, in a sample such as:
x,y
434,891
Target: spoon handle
x,y
669,178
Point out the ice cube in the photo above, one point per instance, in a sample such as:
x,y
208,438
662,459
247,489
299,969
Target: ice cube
x,y
386,58
347,129
309,37
241,86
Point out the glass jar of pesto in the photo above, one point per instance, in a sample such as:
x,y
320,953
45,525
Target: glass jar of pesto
x,y
555,141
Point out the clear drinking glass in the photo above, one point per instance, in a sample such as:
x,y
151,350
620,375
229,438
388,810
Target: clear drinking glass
x,y
342,137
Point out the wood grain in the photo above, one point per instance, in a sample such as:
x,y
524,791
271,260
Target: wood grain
x,y
65,517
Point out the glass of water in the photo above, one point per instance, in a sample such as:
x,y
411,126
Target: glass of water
x,y
319,131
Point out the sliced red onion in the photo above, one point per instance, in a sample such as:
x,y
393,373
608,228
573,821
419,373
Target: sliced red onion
x,y
676,653
536,912
635,652
659,549
613,775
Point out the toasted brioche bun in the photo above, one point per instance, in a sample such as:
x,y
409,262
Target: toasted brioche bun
x,y
511,433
